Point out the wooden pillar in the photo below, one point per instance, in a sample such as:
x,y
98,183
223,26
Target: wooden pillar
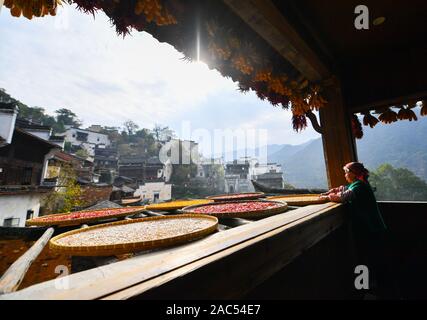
x,y
338,143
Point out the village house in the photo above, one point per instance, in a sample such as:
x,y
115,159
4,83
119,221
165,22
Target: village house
x,y
301,51
239,173
210,172
83,168
151,176
106,161
41,131
237,176
85,139
268,174
23,165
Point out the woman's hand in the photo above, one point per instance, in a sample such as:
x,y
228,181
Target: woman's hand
x,y
334,197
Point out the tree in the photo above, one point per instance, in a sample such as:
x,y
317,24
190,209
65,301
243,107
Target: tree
x,y
38,115
162,134
140,142
130,127
397,184
182,173
67,146
66,196
67,117
82,153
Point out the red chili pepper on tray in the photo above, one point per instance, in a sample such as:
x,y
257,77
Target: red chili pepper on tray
x,y
237,196
85,214
235,207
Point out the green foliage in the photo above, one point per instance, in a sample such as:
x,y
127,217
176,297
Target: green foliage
x,y
397,184
288,186
182,173
137,143
187,185
162,134
82,153
67,146
66,196
65,117
130,127
38,115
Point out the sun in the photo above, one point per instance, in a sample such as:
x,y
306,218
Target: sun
x,y
203,77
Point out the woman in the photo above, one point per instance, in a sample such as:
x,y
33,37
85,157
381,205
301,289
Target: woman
x,y
358,193
367,223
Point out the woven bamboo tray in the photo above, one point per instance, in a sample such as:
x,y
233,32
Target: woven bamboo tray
x,y
42,221
299,199
121,248
248,214
127,202
244,196
175,205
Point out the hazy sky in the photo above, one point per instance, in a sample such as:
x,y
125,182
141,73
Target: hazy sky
x,y
79,63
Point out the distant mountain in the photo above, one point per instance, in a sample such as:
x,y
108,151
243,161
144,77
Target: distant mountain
x,y
306,167
285,151
266,151
402,144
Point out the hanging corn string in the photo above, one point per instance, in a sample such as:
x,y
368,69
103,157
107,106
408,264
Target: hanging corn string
x,y
30,9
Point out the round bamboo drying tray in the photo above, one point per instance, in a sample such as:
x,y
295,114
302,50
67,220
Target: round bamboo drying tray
x,y
44,220
175,205
242,196
127,202
299,199
121,248
247,214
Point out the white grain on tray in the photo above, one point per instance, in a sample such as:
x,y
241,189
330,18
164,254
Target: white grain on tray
x,y
135,232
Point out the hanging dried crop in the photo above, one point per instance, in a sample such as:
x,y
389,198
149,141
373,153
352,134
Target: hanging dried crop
x,y
388,116
369,119
30,9
315,100
406,114
423,111
356,127
299,122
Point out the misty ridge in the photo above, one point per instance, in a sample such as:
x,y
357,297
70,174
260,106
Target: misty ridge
x,y
401,144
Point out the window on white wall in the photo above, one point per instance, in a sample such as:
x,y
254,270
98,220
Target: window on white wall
x,y
30,214
11,222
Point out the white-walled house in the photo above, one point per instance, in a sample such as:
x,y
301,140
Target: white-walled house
x,y
86,139
40,131
154,191
18,206
23,165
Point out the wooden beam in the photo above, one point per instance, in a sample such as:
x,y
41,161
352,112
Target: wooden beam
x,y
270,24
13,276
339,146
105,280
